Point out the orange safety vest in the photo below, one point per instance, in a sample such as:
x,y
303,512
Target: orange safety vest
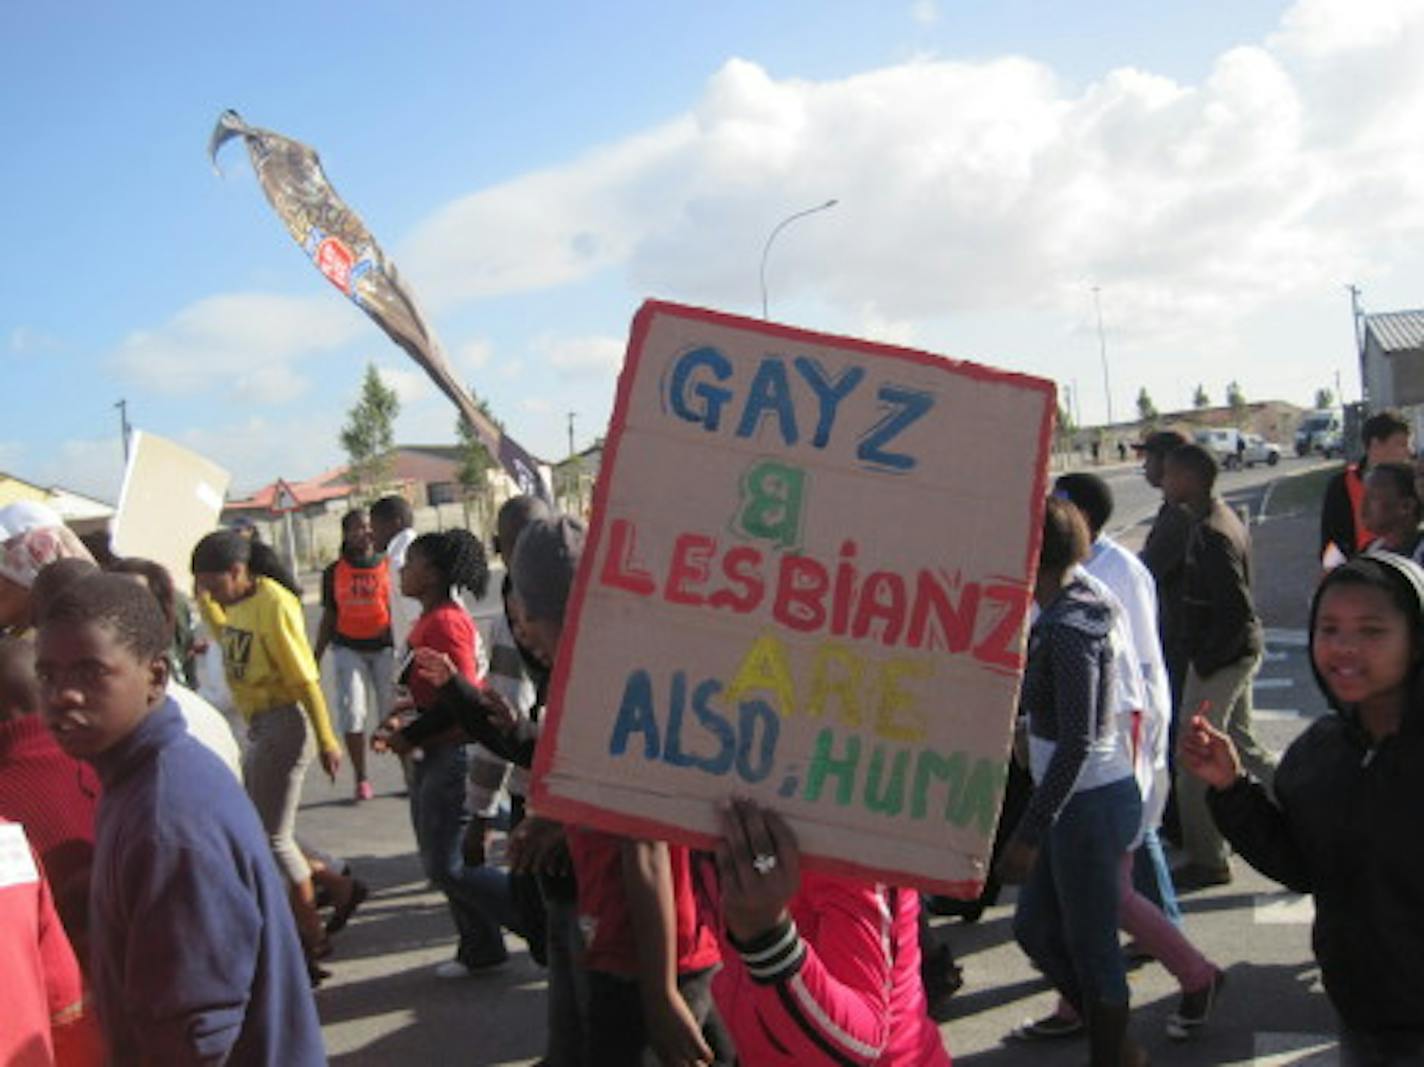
x,y
1355,487
363,609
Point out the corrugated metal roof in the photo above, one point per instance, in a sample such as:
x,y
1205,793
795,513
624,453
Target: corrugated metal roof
x,y
1397,331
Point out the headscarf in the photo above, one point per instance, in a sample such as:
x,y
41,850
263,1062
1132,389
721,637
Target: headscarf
x,y
24,515
27,553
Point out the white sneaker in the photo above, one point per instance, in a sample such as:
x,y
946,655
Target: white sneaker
x,y
452,969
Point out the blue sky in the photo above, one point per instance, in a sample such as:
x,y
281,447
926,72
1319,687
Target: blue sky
x,y
537,169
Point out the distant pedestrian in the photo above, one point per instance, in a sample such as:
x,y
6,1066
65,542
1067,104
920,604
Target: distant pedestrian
x,y
356,625
1344,822
1223,643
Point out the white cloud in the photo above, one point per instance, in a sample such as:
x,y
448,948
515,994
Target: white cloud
x,y
410,385
258,449
536,405
925,12
992,187
594,355
244,341
979,203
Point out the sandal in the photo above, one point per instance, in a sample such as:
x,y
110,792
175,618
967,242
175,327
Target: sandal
x,y
342,915
1049,1028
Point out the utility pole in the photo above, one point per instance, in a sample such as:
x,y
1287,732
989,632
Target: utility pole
x,y
124,428
1358,315
1103,351
572,415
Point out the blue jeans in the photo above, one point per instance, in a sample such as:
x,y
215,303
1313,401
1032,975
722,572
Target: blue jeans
x,y
1067,915
1152,877
479,897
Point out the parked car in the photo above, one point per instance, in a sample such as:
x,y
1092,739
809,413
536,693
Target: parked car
x,y
1226,445
1259,450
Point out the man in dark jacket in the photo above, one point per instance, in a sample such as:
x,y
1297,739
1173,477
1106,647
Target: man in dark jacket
x,y
1386,440
1222,641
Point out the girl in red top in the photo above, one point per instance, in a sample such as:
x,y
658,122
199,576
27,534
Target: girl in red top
x,y
816,969
436,565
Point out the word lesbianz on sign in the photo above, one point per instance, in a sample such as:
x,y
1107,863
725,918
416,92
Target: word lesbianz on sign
x,y
806,581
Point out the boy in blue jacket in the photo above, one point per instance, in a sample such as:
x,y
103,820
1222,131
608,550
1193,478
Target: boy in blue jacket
x,y
194,956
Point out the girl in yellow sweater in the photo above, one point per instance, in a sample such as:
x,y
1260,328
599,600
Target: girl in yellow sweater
x,y
276,686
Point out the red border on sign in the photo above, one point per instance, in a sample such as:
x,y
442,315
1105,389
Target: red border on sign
x,y
584,814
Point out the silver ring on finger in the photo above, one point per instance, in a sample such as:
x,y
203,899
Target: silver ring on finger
x,y
764,863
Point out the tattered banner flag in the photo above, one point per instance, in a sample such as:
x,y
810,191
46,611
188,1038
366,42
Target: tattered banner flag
x,y
345,252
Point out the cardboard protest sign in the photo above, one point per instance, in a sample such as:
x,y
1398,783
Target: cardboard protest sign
x,y
806,581
171,497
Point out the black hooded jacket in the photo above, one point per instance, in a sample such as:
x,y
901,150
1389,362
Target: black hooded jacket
x,y
1348,828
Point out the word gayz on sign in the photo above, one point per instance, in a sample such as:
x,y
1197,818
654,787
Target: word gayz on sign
x,y
807,581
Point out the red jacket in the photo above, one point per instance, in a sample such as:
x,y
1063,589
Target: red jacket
x,y
54,797
45,1019
839,985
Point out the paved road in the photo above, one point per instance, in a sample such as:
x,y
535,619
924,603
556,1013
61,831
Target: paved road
x,y
383,1006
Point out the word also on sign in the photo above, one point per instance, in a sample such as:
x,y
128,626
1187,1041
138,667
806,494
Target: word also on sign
x,y
806,581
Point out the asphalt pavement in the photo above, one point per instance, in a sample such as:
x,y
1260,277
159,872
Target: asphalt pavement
x,y
384,1006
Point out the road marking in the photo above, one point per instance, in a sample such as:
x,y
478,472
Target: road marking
x,y
1284,909
1295,1050
1275,657
1273,683
1279,714
1289,638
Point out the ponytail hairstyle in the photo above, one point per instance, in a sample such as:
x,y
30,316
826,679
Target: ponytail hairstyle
x,y
458,556
221,549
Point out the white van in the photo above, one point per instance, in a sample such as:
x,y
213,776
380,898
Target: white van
x,y
1227,446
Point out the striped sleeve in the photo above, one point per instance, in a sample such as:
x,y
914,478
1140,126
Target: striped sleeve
x,y
828,1002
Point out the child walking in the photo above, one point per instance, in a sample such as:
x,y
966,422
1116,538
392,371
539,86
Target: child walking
x,y
274,683
436,564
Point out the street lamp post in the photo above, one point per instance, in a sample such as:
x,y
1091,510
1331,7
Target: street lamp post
x,y
1103,351
766,249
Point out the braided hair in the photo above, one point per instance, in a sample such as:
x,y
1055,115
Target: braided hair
x,y
458,556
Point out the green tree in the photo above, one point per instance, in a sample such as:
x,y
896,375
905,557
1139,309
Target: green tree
x,y
1146,410
475,465
1324,398
369,434
1200,399
1235,399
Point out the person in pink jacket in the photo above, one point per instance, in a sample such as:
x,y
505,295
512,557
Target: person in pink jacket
x,y
817,969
